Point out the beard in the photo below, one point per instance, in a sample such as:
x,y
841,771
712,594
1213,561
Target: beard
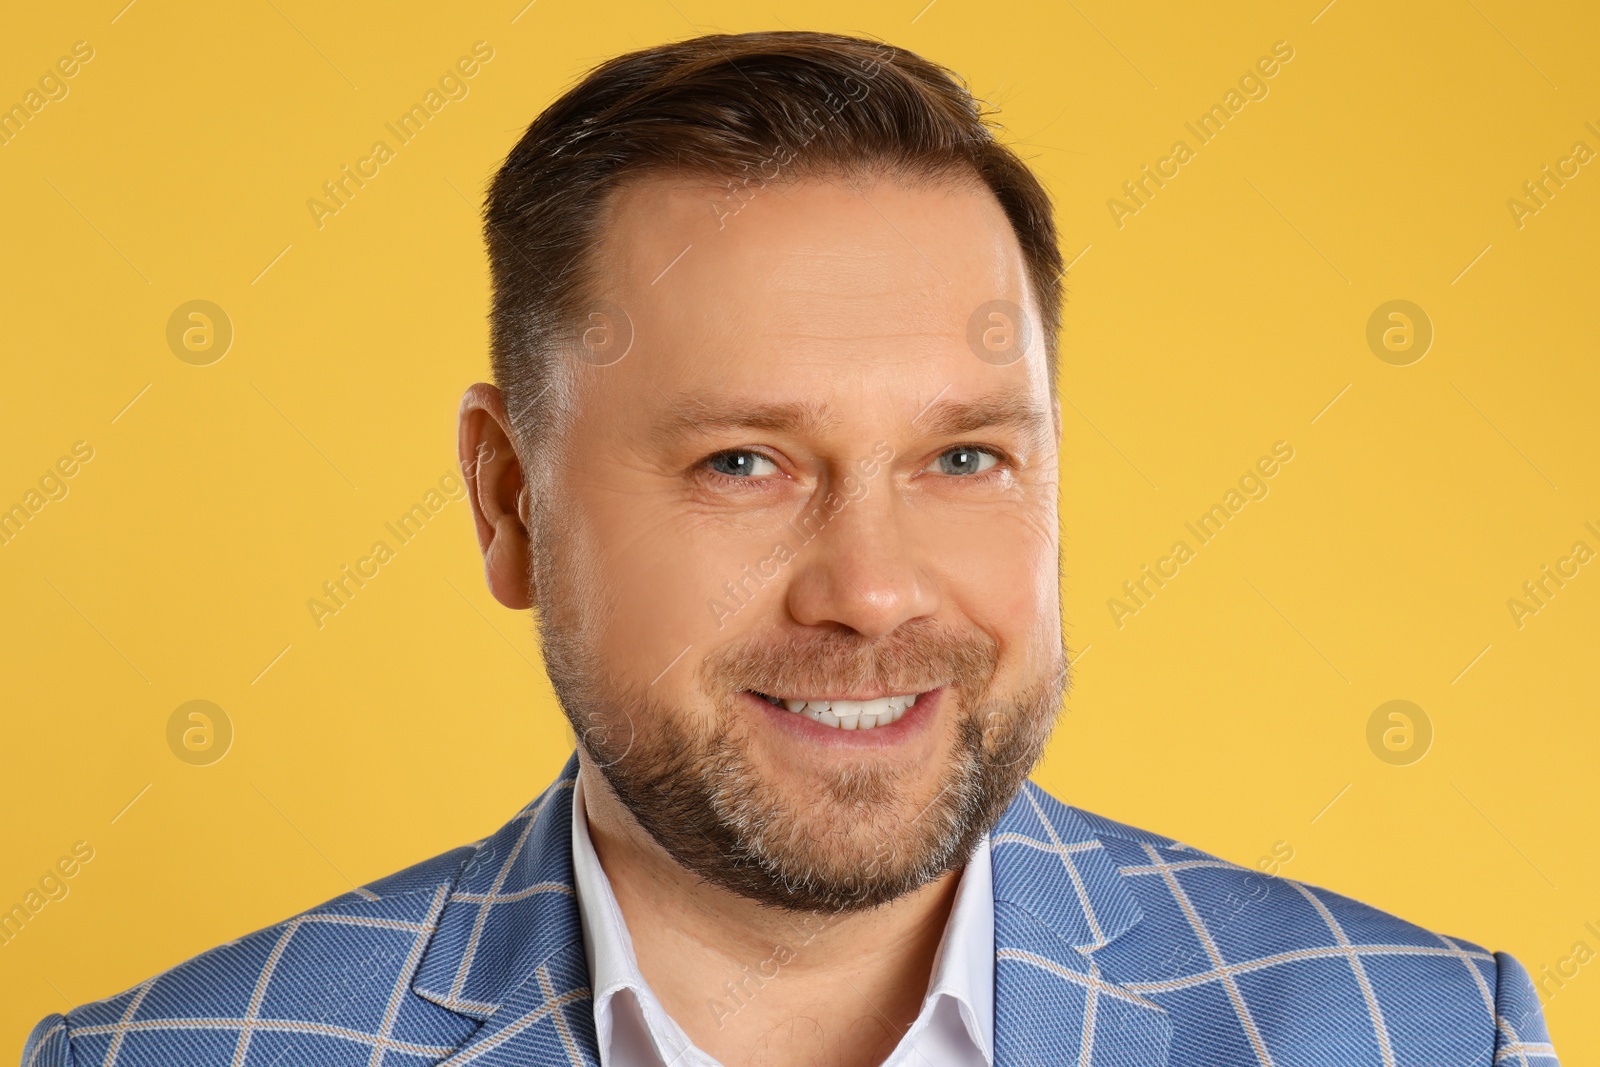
x,y
864,833
859,838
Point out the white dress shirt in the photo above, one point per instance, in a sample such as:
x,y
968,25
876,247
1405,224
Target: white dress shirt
x,y
954,1029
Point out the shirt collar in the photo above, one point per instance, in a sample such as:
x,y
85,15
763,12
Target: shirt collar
x,y
613,967
964,967
962,977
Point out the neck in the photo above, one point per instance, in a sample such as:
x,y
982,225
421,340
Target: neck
x,y
751,984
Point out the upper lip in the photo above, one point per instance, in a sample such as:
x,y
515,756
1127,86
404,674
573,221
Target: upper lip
x,y
878,694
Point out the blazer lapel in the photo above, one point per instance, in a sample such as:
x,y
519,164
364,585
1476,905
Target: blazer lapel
x,y
1059,899
509,947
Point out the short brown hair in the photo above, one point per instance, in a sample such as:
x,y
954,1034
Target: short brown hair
x,y
734,107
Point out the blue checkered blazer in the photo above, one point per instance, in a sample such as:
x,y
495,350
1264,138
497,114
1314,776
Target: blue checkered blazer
x,y
1112,947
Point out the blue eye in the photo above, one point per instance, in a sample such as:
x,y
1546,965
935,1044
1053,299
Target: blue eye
x,y
741,464
965,461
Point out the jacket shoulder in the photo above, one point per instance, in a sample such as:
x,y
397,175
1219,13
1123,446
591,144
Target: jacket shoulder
x,y
1228,948
1173,880
329,970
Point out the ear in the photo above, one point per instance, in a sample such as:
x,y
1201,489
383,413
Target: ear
x,y
497,488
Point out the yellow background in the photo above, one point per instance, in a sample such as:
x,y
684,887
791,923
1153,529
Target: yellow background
x,y
1227,314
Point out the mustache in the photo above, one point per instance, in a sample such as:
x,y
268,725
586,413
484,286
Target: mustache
x,y
916,657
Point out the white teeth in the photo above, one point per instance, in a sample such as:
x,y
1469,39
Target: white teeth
x,y
850,714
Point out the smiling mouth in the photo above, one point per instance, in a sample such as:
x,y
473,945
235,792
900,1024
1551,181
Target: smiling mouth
x,y
847,714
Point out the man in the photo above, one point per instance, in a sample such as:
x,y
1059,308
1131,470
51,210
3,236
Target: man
x,y
773,453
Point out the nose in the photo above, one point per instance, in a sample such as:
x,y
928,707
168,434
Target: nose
x,y
860,569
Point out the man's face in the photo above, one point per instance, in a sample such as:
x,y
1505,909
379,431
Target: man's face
x,y
806,480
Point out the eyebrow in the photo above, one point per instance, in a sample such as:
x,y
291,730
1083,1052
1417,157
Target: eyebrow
x,y
695,415
692,415
955,418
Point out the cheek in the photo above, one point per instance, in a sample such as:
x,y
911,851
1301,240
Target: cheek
x,y
1030,598
657,579
1007,581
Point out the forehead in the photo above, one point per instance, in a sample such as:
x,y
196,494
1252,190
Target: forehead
x,y
877,218
721,283
855,301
